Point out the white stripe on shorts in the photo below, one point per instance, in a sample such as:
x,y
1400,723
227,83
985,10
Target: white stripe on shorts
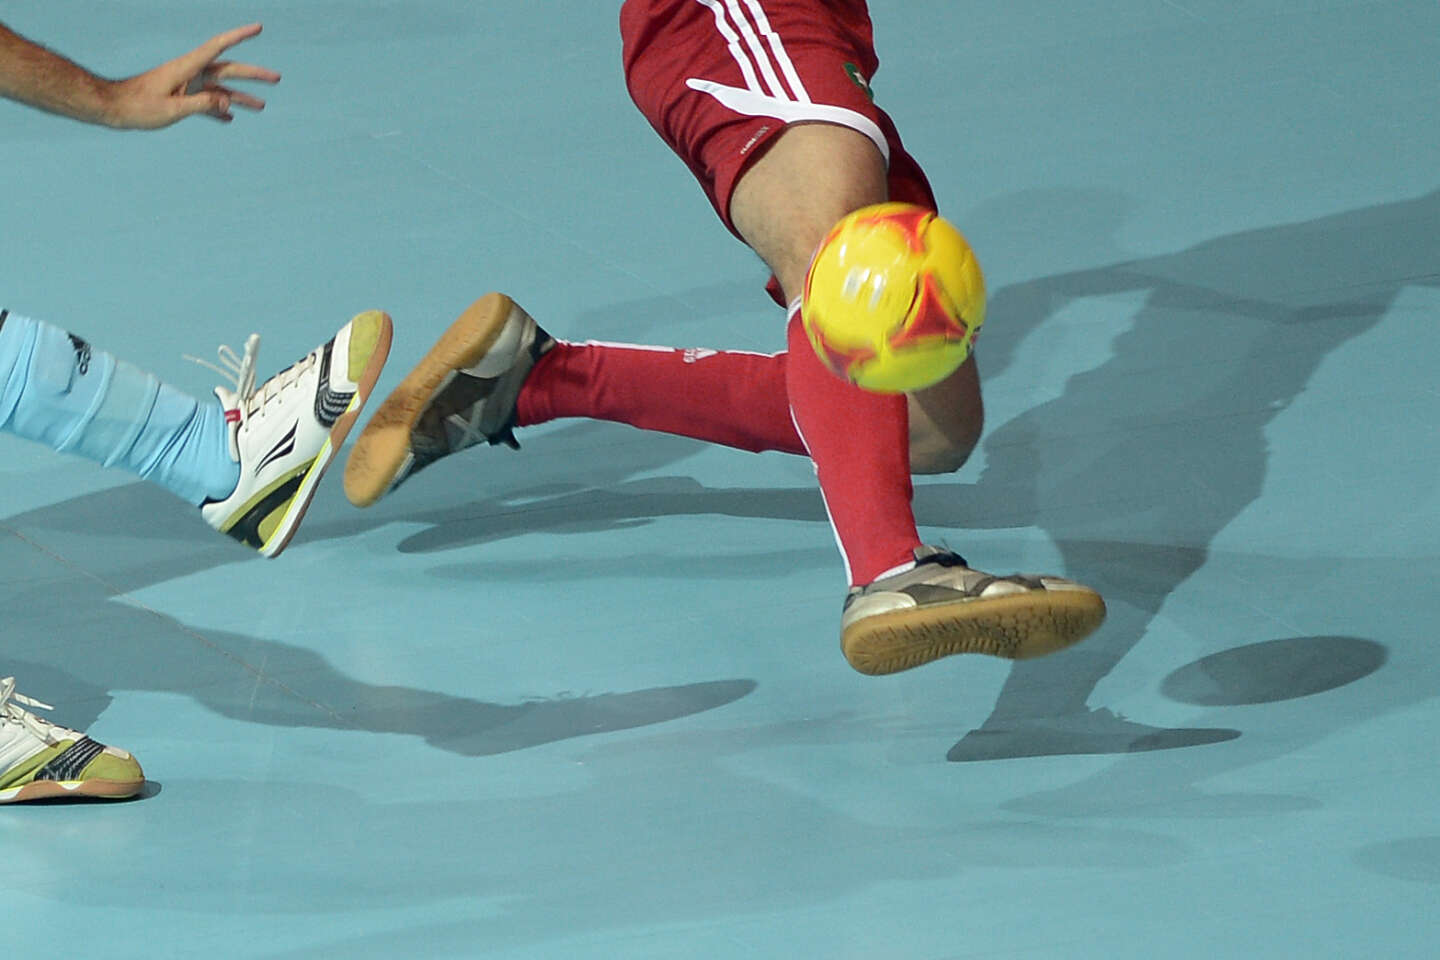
x,y
797,88
763,94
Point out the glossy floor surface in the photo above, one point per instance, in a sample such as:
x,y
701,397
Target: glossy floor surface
x,y
586,700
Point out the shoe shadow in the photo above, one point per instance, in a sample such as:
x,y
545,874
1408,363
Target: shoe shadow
x,y
1268,672
1162,444
1092,732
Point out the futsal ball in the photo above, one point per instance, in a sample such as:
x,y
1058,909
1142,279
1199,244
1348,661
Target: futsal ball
x,y
893,298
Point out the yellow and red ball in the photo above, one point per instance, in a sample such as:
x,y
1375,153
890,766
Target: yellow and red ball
x,y
893,298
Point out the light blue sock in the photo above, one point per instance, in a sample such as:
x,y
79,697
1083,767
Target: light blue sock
x,y
55,389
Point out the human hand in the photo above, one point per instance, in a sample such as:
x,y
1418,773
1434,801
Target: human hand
x,y
187,85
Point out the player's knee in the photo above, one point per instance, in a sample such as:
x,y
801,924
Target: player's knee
x,y
809,177
936,460
932,452
946,422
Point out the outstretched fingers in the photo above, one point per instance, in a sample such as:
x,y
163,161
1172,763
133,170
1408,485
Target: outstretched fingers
x,y
198,74
197,82
207,53
232,70
208,95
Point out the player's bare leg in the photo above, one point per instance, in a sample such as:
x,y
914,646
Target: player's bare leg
x,y
787,201
946,421
810,177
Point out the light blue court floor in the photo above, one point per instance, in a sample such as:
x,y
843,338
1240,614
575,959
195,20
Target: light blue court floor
x,y
586,700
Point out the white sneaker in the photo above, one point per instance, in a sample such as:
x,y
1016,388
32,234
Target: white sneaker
x,y
41,760
285,432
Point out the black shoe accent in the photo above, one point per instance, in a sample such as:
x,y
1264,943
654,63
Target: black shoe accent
x,y
247,530
944,558
329,404
505,436
283,447
70,764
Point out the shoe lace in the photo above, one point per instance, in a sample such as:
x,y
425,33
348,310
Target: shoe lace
x,y
11,712
240,370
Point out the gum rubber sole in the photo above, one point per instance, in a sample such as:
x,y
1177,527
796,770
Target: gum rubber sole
x,y
1015,627
93,789
380,452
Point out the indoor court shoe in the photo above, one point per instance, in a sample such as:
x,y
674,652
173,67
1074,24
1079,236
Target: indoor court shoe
x,y
40,760
285,432
942,607
462,392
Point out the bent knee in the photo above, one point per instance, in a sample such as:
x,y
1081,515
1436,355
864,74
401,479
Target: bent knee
x,y
931,455
937,448
946,421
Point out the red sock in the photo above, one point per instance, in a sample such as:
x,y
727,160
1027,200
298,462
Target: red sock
x,y
731,398
860,442
746,400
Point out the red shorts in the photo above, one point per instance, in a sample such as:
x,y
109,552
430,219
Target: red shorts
x,y
717,79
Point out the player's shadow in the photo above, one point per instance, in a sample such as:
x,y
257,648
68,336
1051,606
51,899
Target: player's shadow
x,y
616,506
1163,444
299,688
69,643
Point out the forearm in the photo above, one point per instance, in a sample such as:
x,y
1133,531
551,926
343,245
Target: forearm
x,y
37,77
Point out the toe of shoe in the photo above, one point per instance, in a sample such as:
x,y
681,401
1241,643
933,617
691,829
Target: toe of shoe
x,y
115,766
364,340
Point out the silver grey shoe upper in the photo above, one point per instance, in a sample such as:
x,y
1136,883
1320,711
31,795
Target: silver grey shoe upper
x,y
477,404
940,576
